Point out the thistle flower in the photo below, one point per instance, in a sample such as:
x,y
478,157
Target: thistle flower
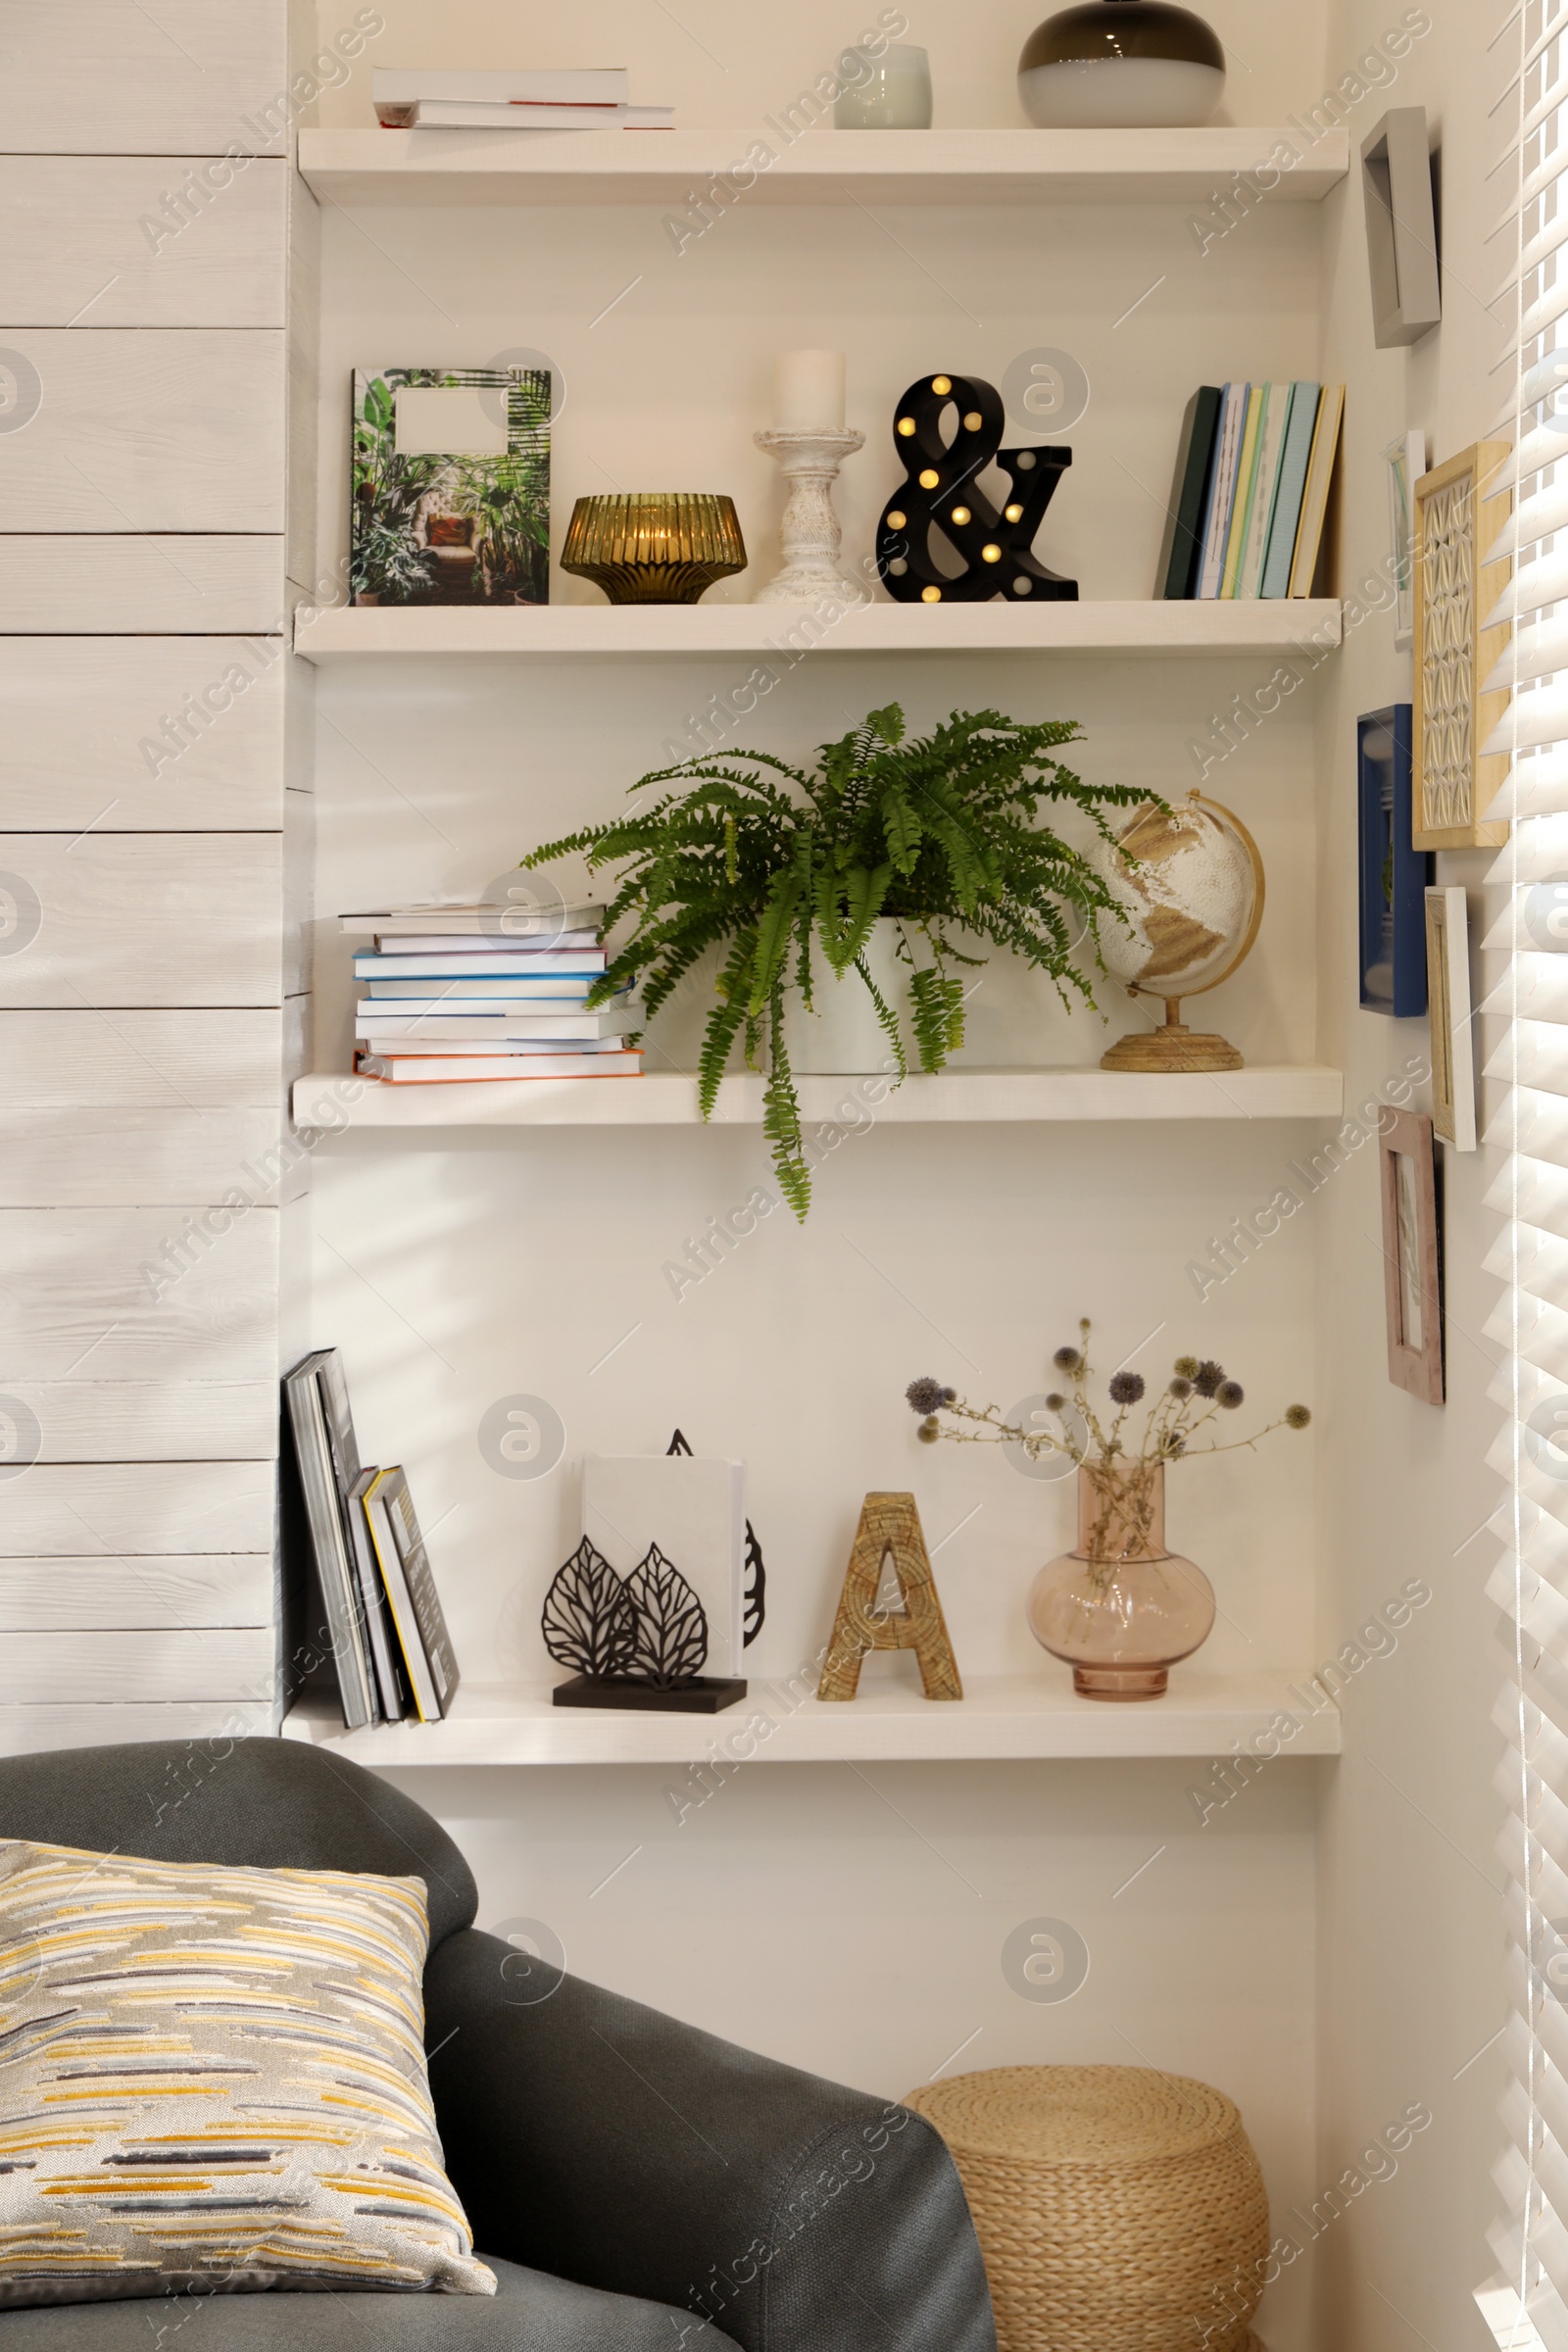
x,y
1173,1448
950,1396
1297,1416
929,1431
1206,1377
1186,1367
927,1395
1230,1394
1181,1386
1056,1401
1068,1359
1126,1387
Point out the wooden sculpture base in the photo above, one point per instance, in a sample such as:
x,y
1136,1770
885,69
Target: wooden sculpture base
x,y
706,1695
1171,1048
890,1527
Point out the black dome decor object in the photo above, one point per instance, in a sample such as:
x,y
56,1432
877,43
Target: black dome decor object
x,y
1133,65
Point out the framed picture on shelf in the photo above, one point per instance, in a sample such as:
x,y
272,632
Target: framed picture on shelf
x,y
1393,876
1453,1069
1453,652
1412,1255
1405,460
450,474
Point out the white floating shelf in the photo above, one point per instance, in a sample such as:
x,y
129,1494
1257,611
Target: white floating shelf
x,y
999,1717
669,1100
820,167
557,632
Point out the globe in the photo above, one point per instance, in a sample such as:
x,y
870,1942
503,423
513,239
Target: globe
x,y
1190,882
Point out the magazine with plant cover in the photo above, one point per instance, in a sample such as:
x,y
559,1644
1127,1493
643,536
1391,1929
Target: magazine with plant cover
x,y
450,487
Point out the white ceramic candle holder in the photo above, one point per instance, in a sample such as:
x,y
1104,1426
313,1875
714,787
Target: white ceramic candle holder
x,y
809,531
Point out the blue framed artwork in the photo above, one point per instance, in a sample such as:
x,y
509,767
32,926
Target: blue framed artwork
x,y
1393,876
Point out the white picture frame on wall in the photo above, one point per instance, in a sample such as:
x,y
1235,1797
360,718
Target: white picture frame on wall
x,y
1453,1069
1404,462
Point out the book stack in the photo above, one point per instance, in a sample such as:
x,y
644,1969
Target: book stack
x,y
422,98
454,994
383,1627
1254,469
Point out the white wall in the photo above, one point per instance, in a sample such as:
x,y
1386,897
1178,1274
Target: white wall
x,y
849,1923
1410,1926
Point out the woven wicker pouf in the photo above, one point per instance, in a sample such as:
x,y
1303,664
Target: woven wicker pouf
x,y
1118,2210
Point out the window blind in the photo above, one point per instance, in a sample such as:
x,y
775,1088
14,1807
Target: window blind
x,y
1525,2302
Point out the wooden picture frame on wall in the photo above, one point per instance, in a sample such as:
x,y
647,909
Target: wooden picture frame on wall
x,y
1452,654
1454,1062
1412,1254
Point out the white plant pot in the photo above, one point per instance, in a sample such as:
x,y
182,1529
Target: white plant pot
x,y
841,1037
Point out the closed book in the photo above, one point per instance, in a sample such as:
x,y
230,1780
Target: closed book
x,y
1315,497
1182,552
693,1506
383,1021
1246,472
1270,440
415,1602
490,922
434,1069
524,115
1292,483
1222,492
483,963
552,85
461,943
420,1044
527,1015
307,1415
349,1476
536,989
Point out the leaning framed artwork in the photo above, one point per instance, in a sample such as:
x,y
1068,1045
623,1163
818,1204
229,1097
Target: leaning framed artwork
x,y
1393,875
1404,462
1457,522
1453,1065
1412,1254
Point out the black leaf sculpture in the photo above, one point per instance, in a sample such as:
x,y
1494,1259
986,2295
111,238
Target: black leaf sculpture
x,y
589,1623
672,1631
755,1602
756,1589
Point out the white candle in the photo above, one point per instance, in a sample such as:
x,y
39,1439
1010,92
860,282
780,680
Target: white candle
x,y
808,391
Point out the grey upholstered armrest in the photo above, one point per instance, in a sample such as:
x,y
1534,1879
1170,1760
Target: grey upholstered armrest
x,y
593,2137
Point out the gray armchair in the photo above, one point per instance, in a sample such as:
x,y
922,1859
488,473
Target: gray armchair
x,y
636,2185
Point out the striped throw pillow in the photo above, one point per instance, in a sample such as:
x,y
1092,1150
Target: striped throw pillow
x,y
215,2078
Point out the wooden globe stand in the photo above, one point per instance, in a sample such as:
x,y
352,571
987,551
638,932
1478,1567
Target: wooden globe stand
x,y
1173,1047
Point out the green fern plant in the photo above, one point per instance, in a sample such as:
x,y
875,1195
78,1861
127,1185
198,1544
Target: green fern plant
x,y
759,858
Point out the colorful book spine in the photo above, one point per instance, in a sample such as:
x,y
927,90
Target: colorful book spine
x,y
1271,441
1246,476
1217,522
1181,555
1315,497
1286,516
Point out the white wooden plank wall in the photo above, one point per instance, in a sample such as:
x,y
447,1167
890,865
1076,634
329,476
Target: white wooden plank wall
x,y
144,300
91,239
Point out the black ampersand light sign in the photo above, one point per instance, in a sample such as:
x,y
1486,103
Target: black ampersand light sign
x,y
941,488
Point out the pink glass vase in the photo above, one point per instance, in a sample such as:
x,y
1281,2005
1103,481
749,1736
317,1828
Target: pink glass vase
x,y
1120,1609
